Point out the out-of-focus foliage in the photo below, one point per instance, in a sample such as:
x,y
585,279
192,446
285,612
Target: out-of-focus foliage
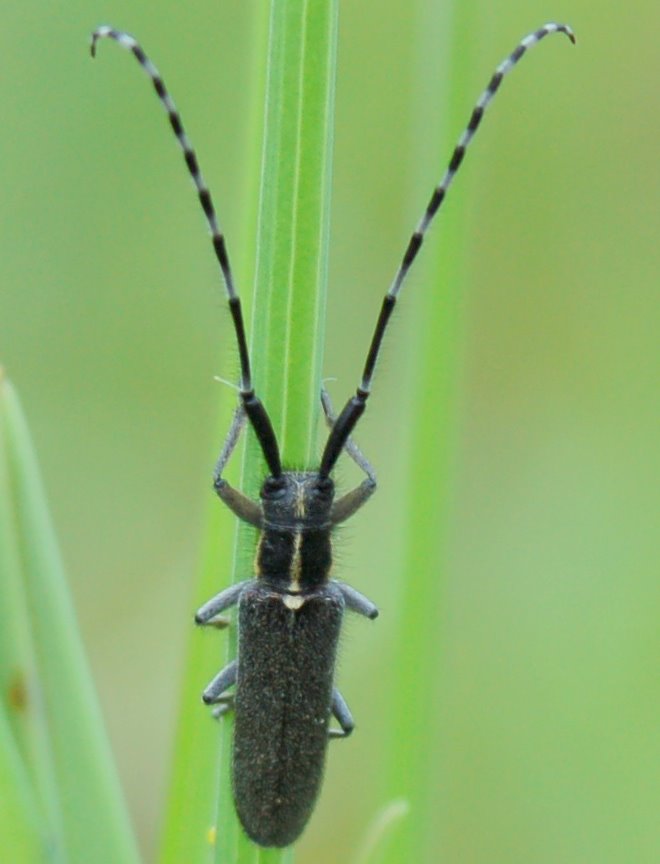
x,y
112,326
60,789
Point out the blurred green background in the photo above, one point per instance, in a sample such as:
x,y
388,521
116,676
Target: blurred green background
x,y
112,327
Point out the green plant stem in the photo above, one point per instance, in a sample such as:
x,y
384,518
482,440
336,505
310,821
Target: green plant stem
x,y
293,232
199,777
416,715
290,295
286,351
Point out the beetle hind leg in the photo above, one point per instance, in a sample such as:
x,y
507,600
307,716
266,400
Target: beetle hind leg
x,y
213,694
224,705
342,714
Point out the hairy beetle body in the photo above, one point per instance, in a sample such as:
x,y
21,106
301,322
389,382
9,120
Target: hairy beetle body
x,y
284,684
289,620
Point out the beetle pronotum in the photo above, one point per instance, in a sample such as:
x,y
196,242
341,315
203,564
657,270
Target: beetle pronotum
x,y
290,612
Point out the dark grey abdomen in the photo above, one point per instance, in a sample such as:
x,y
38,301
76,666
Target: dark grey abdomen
x,y
284,685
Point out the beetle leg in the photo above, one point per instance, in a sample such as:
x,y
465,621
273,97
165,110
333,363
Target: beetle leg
x,y
351,447
224,679
357,602
242,506
210,610
348,504
342,714
224,705
345,506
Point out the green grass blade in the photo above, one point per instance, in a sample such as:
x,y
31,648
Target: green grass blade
x,y
382,826
416,717
94,822
419,747
286,352
197,783
294,222
26,748
190,812
22,836
293,231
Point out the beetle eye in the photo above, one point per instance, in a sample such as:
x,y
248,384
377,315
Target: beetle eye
x,y
273,487
325,486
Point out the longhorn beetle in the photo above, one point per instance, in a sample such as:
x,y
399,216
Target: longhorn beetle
x,y
290,613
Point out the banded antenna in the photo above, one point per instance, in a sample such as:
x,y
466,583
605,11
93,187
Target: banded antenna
x,y
356,404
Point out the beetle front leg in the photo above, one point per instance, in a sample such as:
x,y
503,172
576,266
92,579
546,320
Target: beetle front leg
x,y
348,504
242,506
350,446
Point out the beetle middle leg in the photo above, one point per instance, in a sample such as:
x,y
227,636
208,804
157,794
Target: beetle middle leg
x,y
209,612
342,714
213,694
357,602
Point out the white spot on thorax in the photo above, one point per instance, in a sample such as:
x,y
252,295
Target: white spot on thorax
x,y
293,601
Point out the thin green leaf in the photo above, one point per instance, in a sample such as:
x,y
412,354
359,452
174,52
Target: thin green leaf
x,y
286,353
25,732
198,787
22,836
416,718
94,822
293,232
